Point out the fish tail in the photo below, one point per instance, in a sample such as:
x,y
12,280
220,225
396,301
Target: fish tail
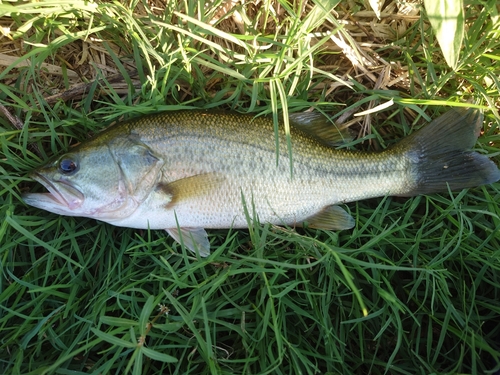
x,y
441,155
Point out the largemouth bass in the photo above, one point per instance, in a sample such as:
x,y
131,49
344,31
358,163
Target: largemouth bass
x,y
190,170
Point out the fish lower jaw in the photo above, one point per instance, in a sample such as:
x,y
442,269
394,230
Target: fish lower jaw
x,y
51,203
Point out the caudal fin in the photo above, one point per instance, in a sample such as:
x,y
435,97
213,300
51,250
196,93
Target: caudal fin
x,y
442,156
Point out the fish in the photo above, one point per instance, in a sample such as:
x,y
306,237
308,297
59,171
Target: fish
x,y
192,170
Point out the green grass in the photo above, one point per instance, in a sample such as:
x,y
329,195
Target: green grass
x,y
414,288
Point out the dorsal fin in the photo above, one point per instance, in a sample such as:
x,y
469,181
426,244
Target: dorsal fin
x,y
319,127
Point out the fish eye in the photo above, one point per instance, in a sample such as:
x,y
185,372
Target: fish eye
x,y
68,166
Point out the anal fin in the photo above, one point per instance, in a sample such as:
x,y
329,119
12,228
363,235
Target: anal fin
x,y
195,239
331,218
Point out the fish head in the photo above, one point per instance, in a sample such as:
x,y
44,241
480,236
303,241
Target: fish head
x,y
103,181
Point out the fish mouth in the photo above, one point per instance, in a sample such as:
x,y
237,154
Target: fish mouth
x,y
59,199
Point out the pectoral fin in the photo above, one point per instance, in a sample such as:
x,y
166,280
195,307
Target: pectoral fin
x,y
190,187
195,239
331,217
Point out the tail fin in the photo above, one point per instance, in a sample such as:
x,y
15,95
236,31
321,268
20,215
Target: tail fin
x,y
441,154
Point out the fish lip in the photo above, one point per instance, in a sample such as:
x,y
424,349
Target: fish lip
x,y
55,194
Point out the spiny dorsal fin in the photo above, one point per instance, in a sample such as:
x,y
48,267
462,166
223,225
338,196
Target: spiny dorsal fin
x,y
331,218
320,128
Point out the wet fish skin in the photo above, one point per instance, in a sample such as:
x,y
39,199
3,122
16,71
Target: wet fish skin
x,y
189,170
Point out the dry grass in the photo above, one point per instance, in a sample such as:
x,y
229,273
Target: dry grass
x,y
365,54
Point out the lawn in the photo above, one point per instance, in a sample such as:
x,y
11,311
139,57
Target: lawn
x,y
413,288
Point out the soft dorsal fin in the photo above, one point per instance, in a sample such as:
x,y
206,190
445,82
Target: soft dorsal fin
x,y
320,128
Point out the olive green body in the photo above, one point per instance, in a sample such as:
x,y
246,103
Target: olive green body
x,y
235,158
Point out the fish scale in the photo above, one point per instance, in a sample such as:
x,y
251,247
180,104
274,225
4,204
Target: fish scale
x,y
311,160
